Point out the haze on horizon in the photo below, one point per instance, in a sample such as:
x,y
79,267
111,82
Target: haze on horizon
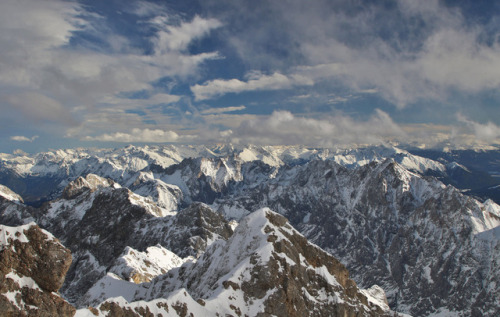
x,y
316,73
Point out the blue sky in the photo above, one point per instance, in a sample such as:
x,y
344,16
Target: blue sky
x,y
319,73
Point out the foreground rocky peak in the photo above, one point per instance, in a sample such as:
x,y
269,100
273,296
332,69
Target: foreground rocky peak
x,y
33,265
91,183
266,268
7,194
99,221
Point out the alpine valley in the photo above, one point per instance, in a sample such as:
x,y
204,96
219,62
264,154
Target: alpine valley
x,y
250,231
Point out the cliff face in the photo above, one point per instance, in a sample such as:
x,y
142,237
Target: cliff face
x,y
33,265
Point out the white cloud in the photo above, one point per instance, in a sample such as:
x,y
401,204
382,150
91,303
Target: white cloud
x,y
37,107
228,120
171,38
259,81
283,127
137,135
44,78
21,138
146,9
407,52
30,30
223,110
456,58
117,119
126,103
485,133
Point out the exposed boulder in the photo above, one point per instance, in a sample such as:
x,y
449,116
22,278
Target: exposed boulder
x,y
33,265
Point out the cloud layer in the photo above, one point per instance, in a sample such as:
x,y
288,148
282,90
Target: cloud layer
x,y
321,72
47,80
283,127
138,135
408,50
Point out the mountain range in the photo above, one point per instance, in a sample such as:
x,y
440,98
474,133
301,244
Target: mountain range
x,y
266,230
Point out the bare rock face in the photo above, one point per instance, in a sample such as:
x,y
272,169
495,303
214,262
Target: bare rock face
x,y
13,211
33,265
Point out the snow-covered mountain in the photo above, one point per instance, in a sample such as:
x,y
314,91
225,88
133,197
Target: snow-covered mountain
x,y
476,172
45,175
145,211
265,268
418,238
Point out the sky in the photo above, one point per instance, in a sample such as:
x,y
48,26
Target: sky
x,y
318,73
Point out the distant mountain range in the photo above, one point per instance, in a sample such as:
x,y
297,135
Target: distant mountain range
x,y
207,230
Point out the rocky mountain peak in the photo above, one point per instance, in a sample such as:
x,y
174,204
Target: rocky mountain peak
x,y
33,265
268,268
7,194
91,182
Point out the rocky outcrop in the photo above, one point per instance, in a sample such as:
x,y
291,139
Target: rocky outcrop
x,y
91,183
13,212
194,228
33,265
267,268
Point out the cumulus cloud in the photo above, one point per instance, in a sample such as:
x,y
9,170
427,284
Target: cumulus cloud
x,y
21,138
256,81
484,133
137,135
283,127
